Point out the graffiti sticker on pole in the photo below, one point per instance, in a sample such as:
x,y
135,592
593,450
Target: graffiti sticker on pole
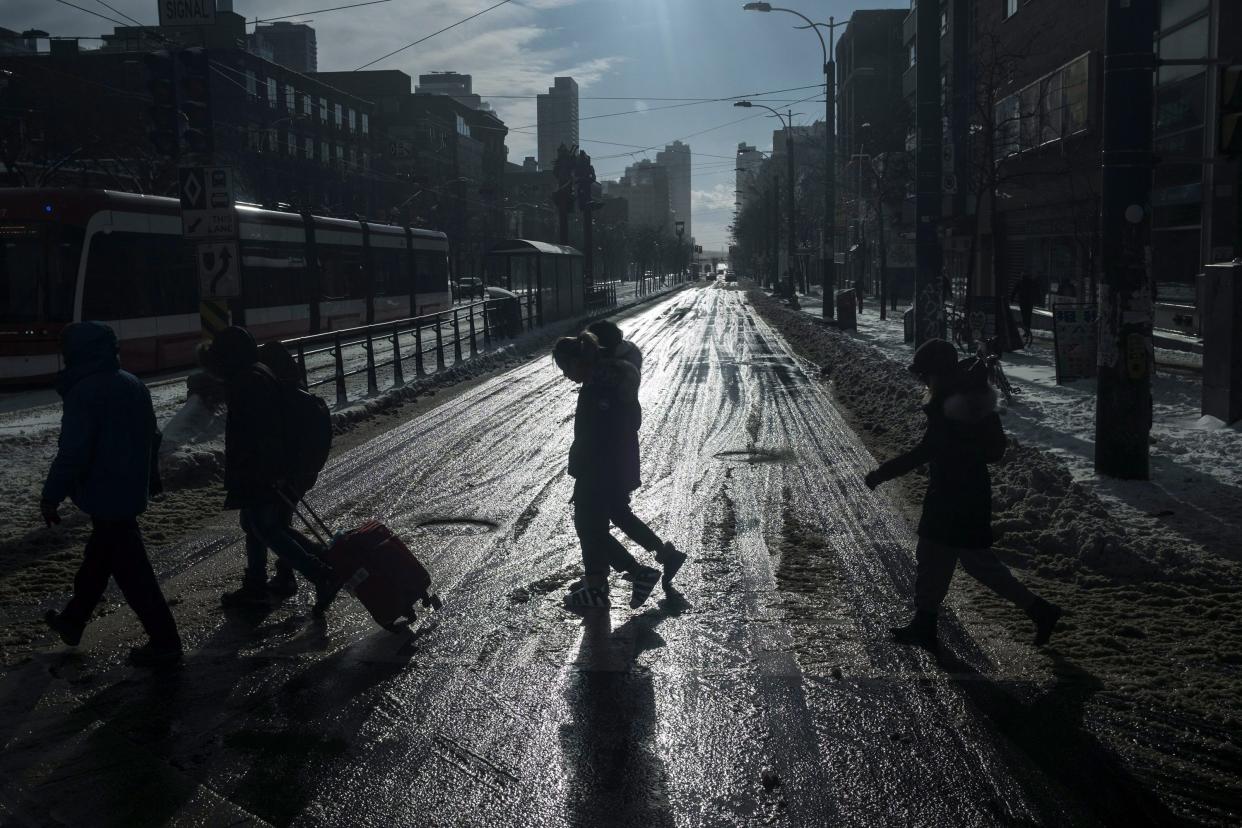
x,y
1075,332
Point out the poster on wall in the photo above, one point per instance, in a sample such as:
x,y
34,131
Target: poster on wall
x,y
1074,331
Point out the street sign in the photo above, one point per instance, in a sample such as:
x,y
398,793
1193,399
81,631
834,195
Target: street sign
x,y
218,269
187,12
206,195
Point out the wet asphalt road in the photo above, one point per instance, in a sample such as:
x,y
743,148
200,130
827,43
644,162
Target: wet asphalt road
x,y
765,692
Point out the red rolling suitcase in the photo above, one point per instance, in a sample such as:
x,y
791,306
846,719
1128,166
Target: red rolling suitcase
x,y
378,568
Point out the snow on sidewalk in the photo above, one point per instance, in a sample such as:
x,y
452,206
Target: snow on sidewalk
x,y
1196,462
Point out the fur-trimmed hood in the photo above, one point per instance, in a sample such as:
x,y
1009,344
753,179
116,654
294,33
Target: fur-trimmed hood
x,y
616,374
971,406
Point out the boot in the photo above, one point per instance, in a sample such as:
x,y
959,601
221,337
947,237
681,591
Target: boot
x,y
671,558
1045,616
253,593
69,633
283,584
921,630
326,587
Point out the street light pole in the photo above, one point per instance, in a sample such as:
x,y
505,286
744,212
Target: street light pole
x,y
789,166
830,140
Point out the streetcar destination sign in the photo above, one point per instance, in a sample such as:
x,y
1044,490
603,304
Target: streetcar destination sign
x,y
187,12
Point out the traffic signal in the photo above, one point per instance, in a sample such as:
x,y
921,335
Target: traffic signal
x,y
194,81
165,132
1231,110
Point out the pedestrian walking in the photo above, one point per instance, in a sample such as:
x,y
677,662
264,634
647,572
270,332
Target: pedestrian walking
x,y
1025,292
108,450
604,461
963,436
257,472
859,286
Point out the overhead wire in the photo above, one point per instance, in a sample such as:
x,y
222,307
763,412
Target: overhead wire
x,y
433,34
316,11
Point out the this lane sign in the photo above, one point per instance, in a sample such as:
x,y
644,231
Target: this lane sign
x,y
219,269
206,195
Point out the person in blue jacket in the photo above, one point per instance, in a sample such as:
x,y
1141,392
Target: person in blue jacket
x,y
108,450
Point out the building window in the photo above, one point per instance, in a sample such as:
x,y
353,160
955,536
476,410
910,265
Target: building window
x,y
308,147
1173,12
271,92
323,109
290,103
252,85
1009,8
292,144
340,154
307,104
353,122
336,115
914,54
353,158
944,21
272,141
323,152
366,124
462,127
366,159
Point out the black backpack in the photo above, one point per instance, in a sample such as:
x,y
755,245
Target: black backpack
x,y
308,436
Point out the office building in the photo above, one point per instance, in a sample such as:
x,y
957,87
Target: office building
x,y
558,120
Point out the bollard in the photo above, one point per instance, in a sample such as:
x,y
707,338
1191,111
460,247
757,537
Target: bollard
x,y
487,327
474,351
456,337
439,344
419,369
302,364
398,378
372,385
341,397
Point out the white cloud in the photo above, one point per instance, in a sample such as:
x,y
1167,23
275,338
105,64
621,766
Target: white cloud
x,y
719,197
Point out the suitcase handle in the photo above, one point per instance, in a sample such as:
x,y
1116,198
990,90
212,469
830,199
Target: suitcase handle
x,y
326,538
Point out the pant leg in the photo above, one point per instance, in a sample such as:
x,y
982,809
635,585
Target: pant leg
x,y
283,569
600,550
936,563
989,570
633,526
133,573
295,550
256,549
92,578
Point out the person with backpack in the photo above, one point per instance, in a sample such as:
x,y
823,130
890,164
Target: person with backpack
x,y
107,462
614,345
261,474
604,463
964,434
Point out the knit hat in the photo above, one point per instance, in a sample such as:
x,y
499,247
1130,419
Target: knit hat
x,y
934,357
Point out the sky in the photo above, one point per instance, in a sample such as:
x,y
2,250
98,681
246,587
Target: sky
x,y
638,51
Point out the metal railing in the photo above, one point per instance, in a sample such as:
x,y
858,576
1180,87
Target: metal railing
x,y
387,344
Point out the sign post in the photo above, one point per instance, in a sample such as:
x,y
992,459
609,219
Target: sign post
x,y
209,219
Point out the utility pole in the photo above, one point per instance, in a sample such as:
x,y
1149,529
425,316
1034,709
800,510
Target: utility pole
x,y
791,242
830,184
928,297
776,232
1125,357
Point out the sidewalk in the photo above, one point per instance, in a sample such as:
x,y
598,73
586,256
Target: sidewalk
x,y
1195,460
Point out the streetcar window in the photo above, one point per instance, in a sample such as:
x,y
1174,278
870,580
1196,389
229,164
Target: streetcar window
x,y
134,275
64,255
430,272
274,274
388,269
21,265
342,276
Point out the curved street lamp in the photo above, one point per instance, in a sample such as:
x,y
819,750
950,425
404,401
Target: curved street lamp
x,y
787,122
830,138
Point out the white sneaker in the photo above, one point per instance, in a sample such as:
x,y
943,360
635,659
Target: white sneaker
x,y
586,597
644,580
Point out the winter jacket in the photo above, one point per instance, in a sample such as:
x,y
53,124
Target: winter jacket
x,y
254,439
107,432
629,352
604,454
963,435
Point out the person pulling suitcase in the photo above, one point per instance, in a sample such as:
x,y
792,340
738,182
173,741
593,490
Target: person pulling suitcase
x,y
259,471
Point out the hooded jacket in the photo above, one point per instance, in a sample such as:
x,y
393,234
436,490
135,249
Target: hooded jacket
x,y
629,352
254,434
107,432
963,435
604,454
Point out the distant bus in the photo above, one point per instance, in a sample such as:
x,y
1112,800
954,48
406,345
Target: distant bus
x,y
69,255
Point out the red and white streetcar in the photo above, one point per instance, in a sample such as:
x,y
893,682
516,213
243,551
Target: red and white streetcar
x,y
68,255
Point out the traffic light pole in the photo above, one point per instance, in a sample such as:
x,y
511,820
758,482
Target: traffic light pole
x,y
1125,357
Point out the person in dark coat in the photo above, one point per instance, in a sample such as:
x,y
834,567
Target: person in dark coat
x,y
604,463
108,447
963,436
1026,291
255,466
